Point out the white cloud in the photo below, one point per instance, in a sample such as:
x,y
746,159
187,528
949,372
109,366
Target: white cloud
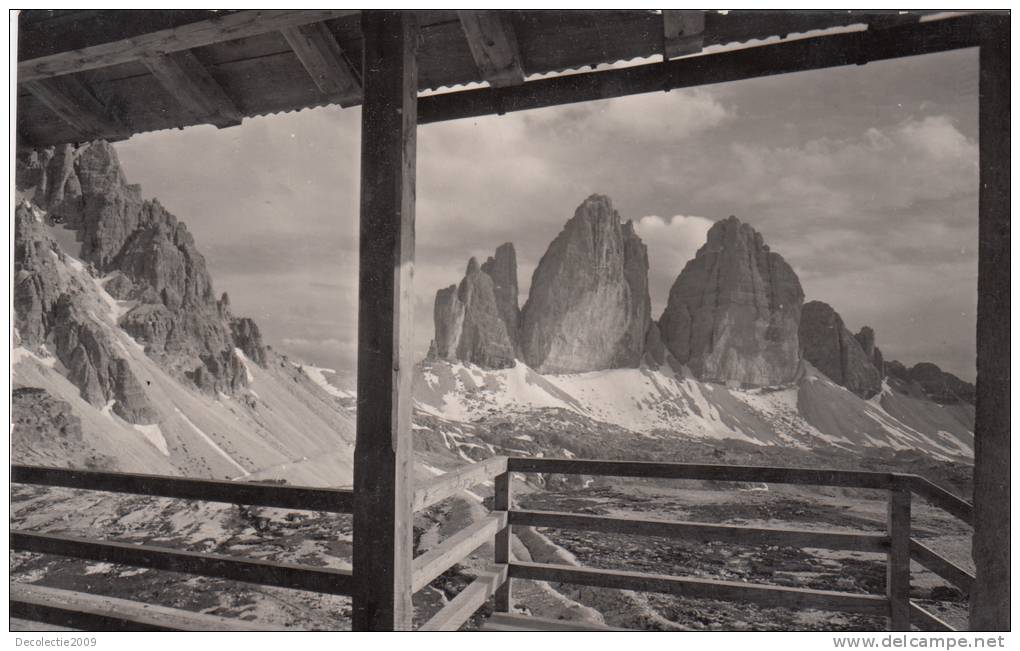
x,y
671,117
671,244
877,171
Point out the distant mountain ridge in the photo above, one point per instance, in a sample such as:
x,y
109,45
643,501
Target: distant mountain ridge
x,y
735,314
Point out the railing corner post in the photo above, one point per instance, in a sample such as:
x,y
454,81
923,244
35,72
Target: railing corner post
x,y
897,582
501,502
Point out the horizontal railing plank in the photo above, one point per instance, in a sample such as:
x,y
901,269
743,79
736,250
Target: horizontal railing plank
x,y
764,595
280,575
706,472
927,621
873,542
459,610
506,622
330,500
941,565
455,549
446,485
942,498
90,612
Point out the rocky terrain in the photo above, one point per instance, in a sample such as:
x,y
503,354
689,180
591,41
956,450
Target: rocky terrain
x,y
122,343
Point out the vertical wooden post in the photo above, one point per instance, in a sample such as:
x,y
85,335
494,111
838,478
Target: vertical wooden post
x,y
989,604
383,537
502,502
897,576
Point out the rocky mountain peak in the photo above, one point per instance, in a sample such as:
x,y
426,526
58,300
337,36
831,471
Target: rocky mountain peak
x,y
588,307
476,321
734,310
145,257
866,338
832,349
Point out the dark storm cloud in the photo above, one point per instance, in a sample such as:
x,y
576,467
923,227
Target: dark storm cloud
x,y
864,178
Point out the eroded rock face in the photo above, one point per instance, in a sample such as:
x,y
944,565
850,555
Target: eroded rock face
x,y
476,322
100,374
866,338
146,255
588,308
248,338
832,349
37,283
734,310
502,269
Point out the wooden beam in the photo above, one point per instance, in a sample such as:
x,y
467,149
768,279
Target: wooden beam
x,y
941,498
766,595
493,46
941,566
459,610
683,32
187,81
990,600
455,549
76,104
320,54
927,621
280,575
505,622
383,457
449,484
814,53
703,472
897,575
303,498
241,24
89,612
736,534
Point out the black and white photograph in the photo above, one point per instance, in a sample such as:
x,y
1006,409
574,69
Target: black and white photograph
x,y
510,320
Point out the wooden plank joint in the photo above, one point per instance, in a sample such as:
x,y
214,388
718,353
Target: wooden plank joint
x,y
76,104
493,46
683,32
321,55
186,80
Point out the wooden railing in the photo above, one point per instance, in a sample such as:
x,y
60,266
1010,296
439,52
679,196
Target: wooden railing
x,y
74,609
66,608
496,580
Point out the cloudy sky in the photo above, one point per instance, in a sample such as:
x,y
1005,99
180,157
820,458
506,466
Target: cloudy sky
x,y
863,178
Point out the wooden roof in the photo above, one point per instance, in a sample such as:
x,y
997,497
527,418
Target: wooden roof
x,y
110,74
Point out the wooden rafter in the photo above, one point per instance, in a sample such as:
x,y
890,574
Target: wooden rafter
x,y
185,37
76,104
187,80
322,57
493,46
683,32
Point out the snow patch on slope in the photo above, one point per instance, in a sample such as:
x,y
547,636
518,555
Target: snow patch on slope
x,y
668,401
247,367
317,374
154,436
21,353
